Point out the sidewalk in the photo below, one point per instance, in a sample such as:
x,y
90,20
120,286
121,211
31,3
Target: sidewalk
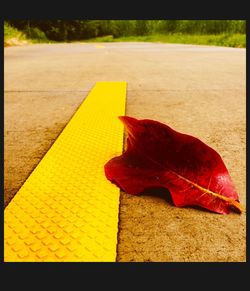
x,y
197,90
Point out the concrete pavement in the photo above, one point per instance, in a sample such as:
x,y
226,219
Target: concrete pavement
x,y
198,90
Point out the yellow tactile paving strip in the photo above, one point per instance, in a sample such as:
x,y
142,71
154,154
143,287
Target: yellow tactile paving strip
x,y
67,210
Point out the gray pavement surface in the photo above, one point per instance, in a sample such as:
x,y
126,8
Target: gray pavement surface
x,y
198,90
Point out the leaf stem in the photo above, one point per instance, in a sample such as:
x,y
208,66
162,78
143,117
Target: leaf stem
x,y
231,201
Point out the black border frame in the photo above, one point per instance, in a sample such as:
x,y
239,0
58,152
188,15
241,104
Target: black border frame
x,y
212,275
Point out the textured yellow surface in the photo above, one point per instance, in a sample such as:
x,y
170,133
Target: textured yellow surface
x,y
67,210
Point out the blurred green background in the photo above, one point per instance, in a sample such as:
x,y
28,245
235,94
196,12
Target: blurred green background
x,y
210,32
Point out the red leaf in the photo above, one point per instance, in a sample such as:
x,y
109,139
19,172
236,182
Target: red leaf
x,y
158,156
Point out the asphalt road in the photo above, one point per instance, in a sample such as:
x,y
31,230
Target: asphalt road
x,y
198,90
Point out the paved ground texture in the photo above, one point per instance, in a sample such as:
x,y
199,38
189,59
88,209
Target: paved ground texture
x,y
197,90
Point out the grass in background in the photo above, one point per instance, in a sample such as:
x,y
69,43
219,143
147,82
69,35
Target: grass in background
x,y
219,33
228,40
13,36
